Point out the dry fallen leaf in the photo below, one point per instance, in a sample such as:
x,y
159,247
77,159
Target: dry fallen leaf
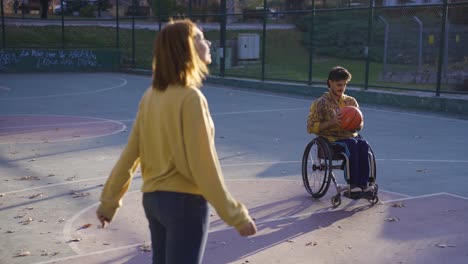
x,y
30,178
445,245
71,178
311,243
27,221
74,240
23,253
36,195
398,205
392,219
145,247
84,226
79,194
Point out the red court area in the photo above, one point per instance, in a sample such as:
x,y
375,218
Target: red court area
x,y
50,128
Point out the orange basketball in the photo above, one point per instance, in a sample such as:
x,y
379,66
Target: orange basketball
x,y
351,117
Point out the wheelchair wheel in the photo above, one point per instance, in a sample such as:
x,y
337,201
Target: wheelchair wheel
x,y
316,168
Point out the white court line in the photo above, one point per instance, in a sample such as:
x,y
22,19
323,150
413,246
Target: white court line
x,y
53,185
413,197
310,102
103,120
259,111
70,139
61,124
424,160
222,165
89,254
456,196
124,82
68,227
5,88
132,120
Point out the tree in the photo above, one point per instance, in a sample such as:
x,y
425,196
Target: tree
x,y
295,4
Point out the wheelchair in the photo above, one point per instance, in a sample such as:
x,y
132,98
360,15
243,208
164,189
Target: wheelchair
x,y
320,159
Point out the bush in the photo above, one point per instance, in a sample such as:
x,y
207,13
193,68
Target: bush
x,y
339,34
87,11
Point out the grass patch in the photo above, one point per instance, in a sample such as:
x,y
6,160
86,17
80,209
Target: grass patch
x,y
286,57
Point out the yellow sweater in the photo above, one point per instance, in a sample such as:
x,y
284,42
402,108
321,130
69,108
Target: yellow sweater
x,y
173,140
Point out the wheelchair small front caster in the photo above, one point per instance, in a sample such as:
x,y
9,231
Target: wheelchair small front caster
x,y
336,201
374,200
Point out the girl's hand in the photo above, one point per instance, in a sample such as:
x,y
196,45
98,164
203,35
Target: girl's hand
x,y
248,229
104,220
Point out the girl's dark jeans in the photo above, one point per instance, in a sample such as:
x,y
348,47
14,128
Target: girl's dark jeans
x,y
179,226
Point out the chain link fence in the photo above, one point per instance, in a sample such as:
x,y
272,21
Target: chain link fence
x,y
387,44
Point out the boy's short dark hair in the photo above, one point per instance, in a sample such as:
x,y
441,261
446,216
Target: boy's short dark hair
x,y
338,73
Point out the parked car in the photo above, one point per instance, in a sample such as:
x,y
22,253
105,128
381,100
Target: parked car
x,y
58,8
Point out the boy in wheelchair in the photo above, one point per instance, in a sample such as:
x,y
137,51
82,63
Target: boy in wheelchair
x,y
324,120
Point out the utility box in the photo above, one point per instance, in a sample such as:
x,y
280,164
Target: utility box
x,y
248,46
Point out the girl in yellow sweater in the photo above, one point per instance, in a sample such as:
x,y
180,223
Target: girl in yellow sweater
x,y
172,140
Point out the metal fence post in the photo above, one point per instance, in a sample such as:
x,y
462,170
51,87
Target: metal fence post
x,y
265,17
133,39
63,23
311,41
117,23
190,9
3,25
420,46
442,47
387,26
369,43
222,39
159,15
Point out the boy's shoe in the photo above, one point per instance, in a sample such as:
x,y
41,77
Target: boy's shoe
x,y
360,189
356,189
367,188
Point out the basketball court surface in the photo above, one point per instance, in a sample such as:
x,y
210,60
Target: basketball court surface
x,y
60,135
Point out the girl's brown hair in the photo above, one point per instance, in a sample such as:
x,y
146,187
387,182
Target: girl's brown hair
x,y
175,59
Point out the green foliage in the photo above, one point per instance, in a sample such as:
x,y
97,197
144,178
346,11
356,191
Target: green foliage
x,y
207,13
87,11
168,8
338,33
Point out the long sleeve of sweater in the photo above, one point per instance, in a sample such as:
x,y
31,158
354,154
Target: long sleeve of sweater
x,y
121,175
204,164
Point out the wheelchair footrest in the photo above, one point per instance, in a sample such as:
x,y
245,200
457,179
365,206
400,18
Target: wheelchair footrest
x,y
360,195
